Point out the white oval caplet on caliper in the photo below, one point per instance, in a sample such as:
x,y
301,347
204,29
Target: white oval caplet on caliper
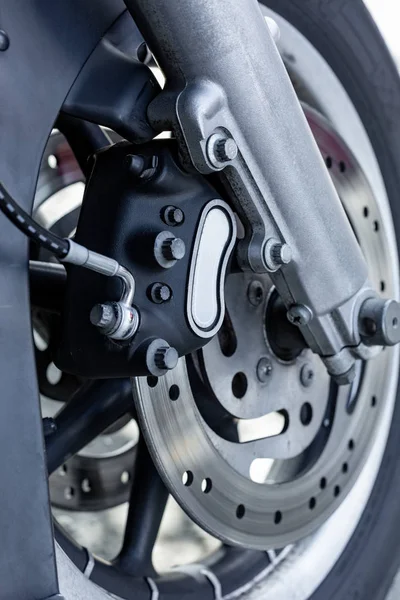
x,y
215,239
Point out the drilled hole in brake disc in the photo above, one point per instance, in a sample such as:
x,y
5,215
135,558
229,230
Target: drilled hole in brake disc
x,y
296,424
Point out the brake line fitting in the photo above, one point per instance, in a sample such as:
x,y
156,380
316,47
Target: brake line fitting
x,y
117,320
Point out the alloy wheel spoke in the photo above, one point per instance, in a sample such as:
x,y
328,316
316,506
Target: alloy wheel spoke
x,y
94,407
146,509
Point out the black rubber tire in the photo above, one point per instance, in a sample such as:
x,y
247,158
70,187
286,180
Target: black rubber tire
x,y
346,36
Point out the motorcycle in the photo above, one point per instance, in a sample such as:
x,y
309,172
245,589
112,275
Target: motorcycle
x,y
215,315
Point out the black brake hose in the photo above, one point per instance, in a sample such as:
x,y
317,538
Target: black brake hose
x,y
24,222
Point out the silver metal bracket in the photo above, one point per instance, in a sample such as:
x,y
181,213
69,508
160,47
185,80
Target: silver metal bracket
x,y
233,108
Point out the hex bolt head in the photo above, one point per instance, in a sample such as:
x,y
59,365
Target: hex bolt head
x,y
173,248
173,216
276,254
307,375
103,316
4,41
166,358
226,150
299,315
264,369
160,293
255,292
281,254
221,149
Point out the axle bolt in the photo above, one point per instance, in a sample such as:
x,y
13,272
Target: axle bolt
x,y
307,375
160,292
264,369
299,315
4,41
103,316
173,248
166,358
173,216
255,293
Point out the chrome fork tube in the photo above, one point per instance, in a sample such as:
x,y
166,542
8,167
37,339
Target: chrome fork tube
x,y
233,109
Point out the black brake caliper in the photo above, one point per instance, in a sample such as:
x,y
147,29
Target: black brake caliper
x,y
173,232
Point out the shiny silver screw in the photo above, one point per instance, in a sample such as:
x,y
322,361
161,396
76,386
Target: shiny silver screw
x,y
281,254
299,315
160,292
226,150
276,254
264,369
221,149
166,358
173,248
173,216
307,375
103,316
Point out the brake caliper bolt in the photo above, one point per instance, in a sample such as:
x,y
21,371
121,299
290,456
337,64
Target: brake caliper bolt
x,y
160,292
173,216
173,248
221,149
299,315
4,41
264,370
226,150
281,254
166,358
276,254
307,375
255,293
103,316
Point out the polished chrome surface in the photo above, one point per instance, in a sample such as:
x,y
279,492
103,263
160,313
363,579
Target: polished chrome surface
x,y
215,238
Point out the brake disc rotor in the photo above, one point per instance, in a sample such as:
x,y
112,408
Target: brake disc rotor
x,y
277,482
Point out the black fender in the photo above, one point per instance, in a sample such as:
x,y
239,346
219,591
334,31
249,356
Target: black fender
x,y
49,41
